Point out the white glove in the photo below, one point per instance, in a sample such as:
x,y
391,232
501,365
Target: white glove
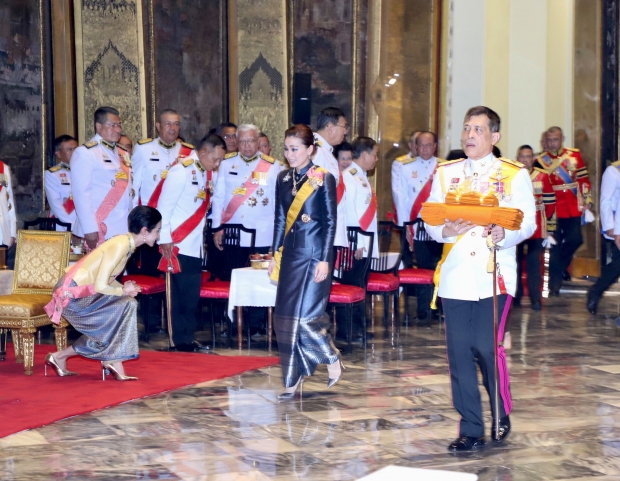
x,y
588,216
548,242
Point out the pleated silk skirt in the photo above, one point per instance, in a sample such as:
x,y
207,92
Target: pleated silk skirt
x,y
300,320
108,324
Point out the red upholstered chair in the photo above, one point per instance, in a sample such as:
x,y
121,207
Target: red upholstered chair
x,y
351,276
150,287
215,286
412,279
383,279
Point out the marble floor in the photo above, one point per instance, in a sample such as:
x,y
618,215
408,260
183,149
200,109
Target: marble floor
x,y
393,407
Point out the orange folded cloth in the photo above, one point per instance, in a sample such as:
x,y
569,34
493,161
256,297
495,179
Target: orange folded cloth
x,y
434,213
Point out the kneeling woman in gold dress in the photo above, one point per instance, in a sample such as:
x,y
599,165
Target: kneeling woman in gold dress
x,y
96,305
305,227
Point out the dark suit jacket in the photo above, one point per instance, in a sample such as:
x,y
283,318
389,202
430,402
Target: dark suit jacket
x,y
320,230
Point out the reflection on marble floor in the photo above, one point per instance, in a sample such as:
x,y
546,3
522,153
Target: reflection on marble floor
x,y
393,407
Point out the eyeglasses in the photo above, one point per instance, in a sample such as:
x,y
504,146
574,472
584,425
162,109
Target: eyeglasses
x,y
114,125
345,127
246,142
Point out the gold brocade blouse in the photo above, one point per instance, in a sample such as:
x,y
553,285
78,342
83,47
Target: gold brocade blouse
x,y
101,267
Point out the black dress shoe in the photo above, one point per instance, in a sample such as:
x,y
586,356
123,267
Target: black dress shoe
x,y
566,276
466,443
504,430
198,346
554,292
536,306
592,303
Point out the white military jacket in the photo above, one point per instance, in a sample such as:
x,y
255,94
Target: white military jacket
x,y
183,190
94,167
151,159
8,218
358,198
258,210
324,157
464,273
58,191
409,175
610,195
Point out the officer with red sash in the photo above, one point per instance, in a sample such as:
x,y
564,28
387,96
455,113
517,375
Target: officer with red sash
x,y
101,180
361,208
183,204
58,182
542,237
332,128
569,178
412,177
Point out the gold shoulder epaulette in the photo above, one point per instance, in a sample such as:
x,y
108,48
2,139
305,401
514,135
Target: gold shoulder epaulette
x,y
187,162
353,171
572,149
144,141
402,158
189,146
56,168
267,158
516,163
406,160
319,143
448,162
91,144
615,164
230,155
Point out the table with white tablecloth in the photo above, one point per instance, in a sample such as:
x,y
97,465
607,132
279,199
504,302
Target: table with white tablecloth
x,y
251,287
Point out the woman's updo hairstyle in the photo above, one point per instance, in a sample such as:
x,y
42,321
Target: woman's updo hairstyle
x,y
303,133
143,216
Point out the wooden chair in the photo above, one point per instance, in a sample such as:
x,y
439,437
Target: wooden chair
x,y
215,287
47,223
40,261
412,279
383,279
351,276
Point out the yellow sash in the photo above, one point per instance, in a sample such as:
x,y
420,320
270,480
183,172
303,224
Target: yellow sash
x,y
291,216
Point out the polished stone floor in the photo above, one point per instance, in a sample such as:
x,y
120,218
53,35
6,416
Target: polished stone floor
x,y
392,408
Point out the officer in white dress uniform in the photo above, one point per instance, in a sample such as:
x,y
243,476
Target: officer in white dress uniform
x,y
96,167
465,286
152,158
361,200
332,127
245,190
184,201
58,182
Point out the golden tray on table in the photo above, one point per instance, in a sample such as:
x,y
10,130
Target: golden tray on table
x,y
260,261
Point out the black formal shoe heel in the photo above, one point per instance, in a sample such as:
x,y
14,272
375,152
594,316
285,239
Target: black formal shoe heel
x,y
51,362
466,443
290,392
503,432
330,381
110,369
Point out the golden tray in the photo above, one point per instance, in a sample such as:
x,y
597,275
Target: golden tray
x,y
259,263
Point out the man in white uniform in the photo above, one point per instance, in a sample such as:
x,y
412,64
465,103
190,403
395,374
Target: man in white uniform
x,y
183,204
101,179
332,127
465,286
8,218
58,182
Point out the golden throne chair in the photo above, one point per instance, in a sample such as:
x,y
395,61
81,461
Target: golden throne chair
x,y
40,261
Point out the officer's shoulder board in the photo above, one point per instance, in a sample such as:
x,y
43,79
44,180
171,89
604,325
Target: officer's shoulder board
x,y
91,144
267,158
571,149
144,141
353,171
405,159
516,163
615,164
318,142
56,168
230,155
189,146
187,162
443,163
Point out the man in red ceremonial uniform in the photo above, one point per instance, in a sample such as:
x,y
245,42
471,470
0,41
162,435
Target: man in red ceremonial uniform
x,y
183,204
545,208
58,182
569,178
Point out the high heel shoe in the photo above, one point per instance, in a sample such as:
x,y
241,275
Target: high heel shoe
x,y
330,381
51,362
286,395
110,369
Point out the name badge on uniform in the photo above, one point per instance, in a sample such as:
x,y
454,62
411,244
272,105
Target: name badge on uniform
x,y
233,173
107,160
239,191
259,178
154,160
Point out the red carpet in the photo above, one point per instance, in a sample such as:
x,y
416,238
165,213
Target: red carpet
x,y
28,402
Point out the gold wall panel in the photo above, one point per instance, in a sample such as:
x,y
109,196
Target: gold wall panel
x,y
586,115
259,67
110,64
